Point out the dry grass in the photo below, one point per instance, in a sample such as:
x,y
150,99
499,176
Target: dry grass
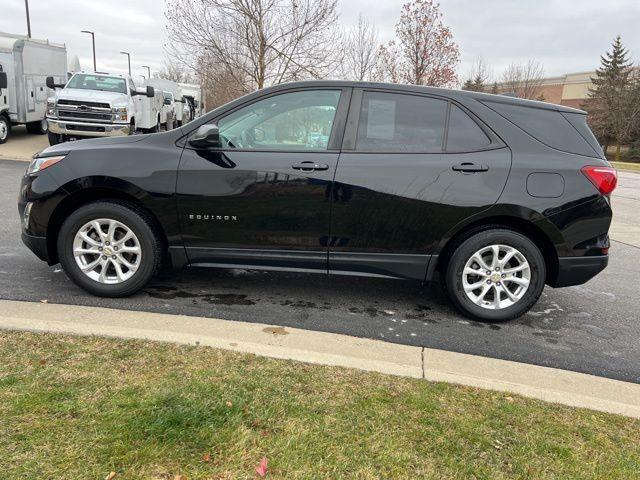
x,y
73,407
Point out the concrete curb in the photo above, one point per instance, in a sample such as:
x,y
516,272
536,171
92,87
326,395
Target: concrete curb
x,y
565,387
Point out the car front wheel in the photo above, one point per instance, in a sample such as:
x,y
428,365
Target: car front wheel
x,y
495,275
109,249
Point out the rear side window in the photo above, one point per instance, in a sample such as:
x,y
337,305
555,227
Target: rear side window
x,y
391,122
464,134
547,126
579,122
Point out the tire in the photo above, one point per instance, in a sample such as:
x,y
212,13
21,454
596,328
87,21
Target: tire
x,y
480,305
132,128
156,129
54,138
5,129
39,128
112,284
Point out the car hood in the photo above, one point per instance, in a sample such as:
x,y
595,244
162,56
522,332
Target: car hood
x,y
92,96
89,143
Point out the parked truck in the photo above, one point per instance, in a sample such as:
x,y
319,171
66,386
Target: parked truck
x,y
194,97
101,105
173,110
25,64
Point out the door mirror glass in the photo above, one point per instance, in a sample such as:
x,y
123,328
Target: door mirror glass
x,y
207,136
3,80
151,92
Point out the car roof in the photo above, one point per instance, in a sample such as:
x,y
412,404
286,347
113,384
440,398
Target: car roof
x,y
446,92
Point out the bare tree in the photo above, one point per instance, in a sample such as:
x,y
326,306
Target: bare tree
x,y
424,52
256,43
175,72
479,77
360,51
524,79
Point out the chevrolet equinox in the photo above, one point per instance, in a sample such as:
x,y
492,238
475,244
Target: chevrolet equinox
x,y
496,196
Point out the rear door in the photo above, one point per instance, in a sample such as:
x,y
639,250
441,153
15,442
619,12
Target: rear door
x,y
404,180
263,198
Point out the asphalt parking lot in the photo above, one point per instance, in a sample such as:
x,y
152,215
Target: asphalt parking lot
x,y
593,328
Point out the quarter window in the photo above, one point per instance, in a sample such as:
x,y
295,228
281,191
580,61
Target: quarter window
x,y
391,122
464,135
290,121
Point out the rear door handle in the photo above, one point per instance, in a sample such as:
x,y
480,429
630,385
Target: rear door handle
x,y
310,166
468,167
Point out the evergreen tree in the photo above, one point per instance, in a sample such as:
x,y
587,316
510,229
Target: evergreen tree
x,y
606,99
494,89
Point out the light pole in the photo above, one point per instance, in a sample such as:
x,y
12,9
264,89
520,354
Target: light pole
x,y
148,71
128,60
26,6
93,43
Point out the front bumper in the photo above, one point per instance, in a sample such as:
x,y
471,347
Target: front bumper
x,y
87,129
37,245
579,270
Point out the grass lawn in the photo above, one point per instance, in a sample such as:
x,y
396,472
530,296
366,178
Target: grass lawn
x,y
80,408
633,167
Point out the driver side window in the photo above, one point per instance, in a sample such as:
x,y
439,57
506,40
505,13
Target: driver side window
x,y
290,121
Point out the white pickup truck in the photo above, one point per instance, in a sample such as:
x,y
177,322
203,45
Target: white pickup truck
x,y
101,105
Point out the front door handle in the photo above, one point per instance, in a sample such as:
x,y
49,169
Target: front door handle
x,y
468,167
310,166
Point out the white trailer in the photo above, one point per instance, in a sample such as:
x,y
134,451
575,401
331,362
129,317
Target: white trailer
x,y
27,63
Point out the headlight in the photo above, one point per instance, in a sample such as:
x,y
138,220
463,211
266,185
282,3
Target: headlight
x,y
51,108
40,163
120,113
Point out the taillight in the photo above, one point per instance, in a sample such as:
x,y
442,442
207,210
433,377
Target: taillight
x,y
604,179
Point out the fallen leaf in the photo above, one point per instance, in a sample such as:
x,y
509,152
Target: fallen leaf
x,y
42,361
261,469
111,476
229,404
179,477
206,457
509,399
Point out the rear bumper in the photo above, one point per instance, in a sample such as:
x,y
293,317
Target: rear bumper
x,y
86,129
578,270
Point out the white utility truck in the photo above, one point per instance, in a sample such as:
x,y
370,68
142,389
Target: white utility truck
x,y
173,114
25,64
101,105
192,94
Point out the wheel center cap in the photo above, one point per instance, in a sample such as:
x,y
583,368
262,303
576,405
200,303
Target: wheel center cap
x,y
107,251
495,278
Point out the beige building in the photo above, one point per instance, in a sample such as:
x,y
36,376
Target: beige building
x,y
571,89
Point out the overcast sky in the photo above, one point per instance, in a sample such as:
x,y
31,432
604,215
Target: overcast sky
x,y
565,35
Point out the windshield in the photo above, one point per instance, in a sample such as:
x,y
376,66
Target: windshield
x,y
98,82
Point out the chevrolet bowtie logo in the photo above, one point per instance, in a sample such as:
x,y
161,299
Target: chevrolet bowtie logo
x,y
223,218
83,108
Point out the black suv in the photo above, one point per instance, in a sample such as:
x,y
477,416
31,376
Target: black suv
x,y
494,195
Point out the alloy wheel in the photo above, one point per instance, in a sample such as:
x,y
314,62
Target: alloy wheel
x,y
107,251
496,277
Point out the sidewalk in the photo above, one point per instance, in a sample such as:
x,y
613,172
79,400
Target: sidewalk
x,y
553,385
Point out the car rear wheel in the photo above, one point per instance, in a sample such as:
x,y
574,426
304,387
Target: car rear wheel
x,y
495,275
39,128
109,249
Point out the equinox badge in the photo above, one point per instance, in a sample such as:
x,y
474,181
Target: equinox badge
x,y
224,218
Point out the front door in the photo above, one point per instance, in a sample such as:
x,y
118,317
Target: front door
x,y
402,183
262,198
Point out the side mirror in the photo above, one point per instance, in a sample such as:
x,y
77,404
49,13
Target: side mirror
x,y
150,92
52,85
3,80
207,136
